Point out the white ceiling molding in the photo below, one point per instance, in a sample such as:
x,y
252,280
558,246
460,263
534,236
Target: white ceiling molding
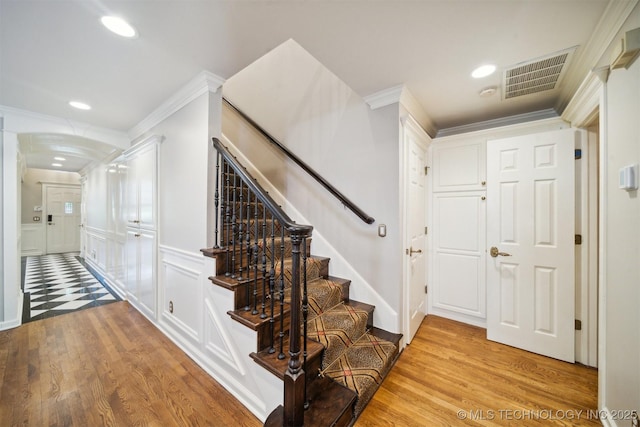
x,y
588,56
199,85
417,112
384,97
21,121
505,121
586,101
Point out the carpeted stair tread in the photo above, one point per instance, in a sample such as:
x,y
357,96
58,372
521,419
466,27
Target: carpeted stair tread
x,y
363,366
364,307
337,329
317,267
323,294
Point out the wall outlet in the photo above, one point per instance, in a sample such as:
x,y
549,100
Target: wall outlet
x,y
36,219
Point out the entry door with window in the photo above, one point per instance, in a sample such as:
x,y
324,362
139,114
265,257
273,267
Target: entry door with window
x,y
530,239
63,218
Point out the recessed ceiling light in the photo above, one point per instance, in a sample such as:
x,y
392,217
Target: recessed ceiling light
x,y
80,105
56,165
119,26
483,71
61,159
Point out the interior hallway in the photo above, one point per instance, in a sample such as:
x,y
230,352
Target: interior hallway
x,y
56,284
109,366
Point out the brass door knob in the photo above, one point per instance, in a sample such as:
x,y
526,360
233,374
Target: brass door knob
x,y
494,252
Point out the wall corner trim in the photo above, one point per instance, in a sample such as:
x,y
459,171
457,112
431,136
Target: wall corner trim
x,y
384,97
586,100
202,83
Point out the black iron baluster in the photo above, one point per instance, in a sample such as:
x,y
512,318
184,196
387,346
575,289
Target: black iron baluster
x,y
234,228
247,243
281,355
216,201
227,220
241,233
263,315
305,314
255,259
272,288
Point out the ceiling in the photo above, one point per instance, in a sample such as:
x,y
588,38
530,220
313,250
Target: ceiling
x,y
52,52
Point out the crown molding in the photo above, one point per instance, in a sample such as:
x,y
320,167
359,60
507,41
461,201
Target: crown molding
x,y
501,122
609,25
586,100
204,82
385,97
22,121
414,108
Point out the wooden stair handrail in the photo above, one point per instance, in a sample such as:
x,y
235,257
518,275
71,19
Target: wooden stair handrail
x,y
270,204
334,191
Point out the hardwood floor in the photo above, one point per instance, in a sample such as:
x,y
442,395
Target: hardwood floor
x,y
106,366
451,375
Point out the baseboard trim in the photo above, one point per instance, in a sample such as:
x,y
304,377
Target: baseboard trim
x,y
17,321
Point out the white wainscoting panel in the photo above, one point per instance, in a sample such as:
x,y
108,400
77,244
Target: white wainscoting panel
x,y
201,327
32,236
97,248
180,291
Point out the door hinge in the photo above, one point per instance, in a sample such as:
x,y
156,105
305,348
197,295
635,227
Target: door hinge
x,y
578,325
426,170
426,230
578,239
426,289
577,154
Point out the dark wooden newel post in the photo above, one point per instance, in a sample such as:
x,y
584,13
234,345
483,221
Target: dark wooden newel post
x,y
294,378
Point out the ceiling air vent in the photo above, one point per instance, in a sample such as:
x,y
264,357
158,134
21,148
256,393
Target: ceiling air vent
x,y
535,76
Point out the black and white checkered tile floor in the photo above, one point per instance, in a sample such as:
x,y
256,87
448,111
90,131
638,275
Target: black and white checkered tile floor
x,y
59,284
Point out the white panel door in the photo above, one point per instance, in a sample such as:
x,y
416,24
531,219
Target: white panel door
x,y
415,141
530,223
459,254
63,219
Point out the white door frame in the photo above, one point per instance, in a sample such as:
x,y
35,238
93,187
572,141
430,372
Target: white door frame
x,y
45,187
408,121
589,105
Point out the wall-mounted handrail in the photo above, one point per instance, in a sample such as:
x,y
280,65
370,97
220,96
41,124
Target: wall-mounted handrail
x,y
343,199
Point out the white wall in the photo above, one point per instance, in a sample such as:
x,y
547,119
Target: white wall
x,y
11,293
2,261
182,175
356,149
620,381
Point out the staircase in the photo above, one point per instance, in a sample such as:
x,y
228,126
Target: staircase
x,y
298,310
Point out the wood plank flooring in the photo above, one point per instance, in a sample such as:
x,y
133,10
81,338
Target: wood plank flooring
x,y
450,375
106,366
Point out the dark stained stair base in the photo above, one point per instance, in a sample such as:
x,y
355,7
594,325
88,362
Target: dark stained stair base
x,y
347,358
